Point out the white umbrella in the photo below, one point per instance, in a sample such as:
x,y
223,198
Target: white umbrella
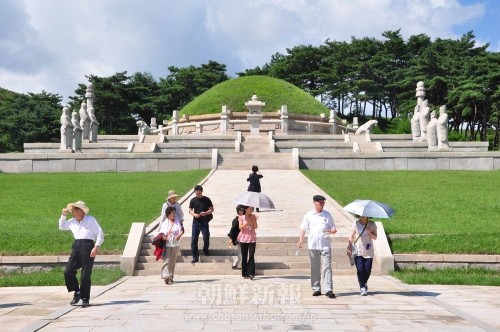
x,y
258,200
369,208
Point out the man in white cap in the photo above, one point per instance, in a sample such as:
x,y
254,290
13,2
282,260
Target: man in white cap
x,y
319,223
88,238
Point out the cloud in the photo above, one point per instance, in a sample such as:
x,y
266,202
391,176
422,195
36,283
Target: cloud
x,y
53,44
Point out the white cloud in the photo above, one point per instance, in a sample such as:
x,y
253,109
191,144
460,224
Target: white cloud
x,y
53,44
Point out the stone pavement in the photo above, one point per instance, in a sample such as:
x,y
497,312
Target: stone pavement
x,y
230,303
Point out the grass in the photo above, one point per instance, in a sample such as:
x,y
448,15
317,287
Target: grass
x,y
461,209
236,91
449,276
31,204
55,277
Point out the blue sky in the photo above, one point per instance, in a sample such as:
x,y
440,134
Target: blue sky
x,y
52,44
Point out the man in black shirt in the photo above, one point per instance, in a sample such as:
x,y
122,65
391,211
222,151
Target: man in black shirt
x,y
201,208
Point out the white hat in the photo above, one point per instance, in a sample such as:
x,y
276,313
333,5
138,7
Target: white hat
x,y
81,205
171,194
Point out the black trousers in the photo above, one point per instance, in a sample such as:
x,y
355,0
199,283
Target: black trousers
x,y
247,259
80,258
195,234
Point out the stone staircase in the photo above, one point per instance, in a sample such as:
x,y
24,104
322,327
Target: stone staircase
x,y
147,145
273,256
255,151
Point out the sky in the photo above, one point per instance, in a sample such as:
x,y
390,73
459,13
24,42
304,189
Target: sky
x,y
52,44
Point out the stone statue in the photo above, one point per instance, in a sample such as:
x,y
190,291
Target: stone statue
x,y
66,130
144,129
366,127
442,129
94,126
424,120
84,121
77,132
432,132
415,124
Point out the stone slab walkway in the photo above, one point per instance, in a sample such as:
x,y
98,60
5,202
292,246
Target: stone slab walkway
x,y
230,303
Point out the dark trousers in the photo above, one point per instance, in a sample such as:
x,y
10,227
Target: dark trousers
x,y
195,234
364,268
247,259
80,258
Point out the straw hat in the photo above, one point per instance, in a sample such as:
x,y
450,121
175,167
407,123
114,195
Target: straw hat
x,y
171,194
81,205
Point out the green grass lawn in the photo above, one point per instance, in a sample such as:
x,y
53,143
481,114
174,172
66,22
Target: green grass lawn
x,y
449,276
461,209
30,206
55,277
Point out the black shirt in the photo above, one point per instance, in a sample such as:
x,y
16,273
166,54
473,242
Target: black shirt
x,y
235,230
254,180
199,205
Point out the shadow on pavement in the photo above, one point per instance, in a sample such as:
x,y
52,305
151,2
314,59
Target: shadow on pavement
x,y
118,302
10,305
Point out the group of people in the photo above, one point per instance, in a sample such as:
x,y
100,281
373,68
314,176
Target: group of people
x,y
318,223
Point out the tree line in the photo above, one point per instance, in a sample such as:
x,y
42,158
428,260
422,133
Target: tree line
x,y
364,77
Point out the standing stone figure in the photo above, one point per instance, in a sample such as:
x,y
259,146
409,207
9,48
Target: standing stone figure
x,y
66,130
94,126
424,120
77,132
84,121
415,124
442,128
432,132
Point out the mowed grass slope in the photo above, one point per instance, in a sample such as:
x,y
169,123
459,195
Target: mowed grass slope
x,y
30,206
460,209
234,92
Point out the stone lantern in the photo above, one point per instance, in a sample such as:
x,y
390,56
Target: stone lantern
x,y
254,116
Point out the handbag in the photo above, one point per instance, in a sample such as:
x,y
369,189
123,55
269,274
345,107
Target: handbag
x,y
353,247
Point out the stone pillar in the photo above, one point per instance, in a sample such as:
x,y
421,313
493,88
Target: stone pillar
x,y
355,123
254,116
84,121
224,119
333,121
77,132
153,124
284,119
175,120
66,130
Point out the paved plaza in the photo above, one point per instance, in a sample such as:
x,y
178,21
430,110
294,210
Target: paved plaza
x,y
231,303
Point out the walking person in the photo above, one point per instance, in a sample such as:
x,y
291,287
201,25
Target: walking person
x,y
201,208
254,179
248,240
233,235
173,230
363,232
172,201
88,238
319,223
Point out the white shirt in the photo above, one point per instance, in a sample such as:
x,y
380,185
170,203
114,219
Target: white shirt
x,y
317,224
179,215
171,230
87,229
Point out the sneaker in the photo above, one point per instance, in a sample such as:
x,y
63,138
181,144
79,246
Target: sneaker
x,y
76,299
317,293
85,303
171,278
167,280
206,252
236,268
251,277
195,260
363,291
330,294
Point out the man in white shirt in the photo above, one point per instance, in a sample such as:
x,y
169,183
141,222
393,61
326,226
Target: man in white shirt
x,y
319,223
88,238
